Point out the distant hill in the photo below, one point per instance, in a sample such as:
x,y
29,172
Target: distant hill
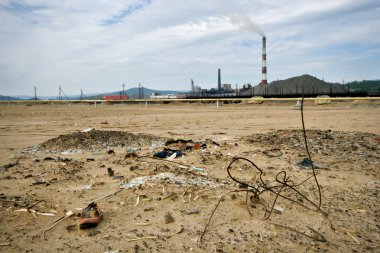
x,y
307,84
8,98
370,86
134,93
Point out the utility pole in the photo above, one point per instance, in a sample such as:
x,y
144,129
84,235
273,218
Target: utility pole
x,y
35,93
82,96
62,93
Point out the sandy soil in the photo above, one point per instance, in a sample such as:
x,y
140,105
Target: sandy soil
x,y
164,206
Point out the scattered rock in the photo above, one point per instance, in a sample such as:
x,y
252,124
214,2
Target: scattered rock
x,y
191,211
93,233
10,165
71,228
38,181
168,218
111,173
273,152
306,164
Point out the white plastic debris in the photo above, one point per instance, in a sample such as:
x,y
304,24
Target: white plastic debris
x,y
199,181
88,130
278,210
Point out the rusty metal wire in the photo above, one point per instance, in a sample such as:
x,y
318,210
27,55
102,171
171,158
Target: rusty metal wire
x,y
283,183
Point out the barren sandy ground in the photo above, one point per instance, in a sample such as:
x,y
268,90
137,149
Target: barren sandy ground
x,y
167,204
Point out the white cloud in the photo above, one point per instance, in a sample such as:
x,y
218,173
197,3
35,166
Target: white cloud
x,y
98,45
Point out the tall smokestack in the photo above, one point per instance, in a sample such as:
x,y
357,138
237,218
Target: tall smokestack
x,y
264,69
219,80
192,86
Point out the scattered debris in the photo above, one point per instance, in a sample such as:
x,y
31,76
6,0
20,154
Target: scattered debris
x,y
141,238
306,164
132,150
178,141
353,237
67,215
172,157
85,187
259,188
168,177
88,130
278,210
34,212
193,168
168,153
137,200
88,220
72,151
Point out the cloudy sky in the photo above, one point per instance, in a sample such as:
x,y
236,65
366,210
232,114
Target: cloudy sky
x,y
97,45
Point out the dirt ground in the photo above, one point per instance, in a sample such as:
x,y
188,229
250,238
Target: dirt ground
x,y
49,167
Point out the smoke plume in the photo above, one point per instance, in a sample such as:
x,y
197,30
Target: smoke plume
x,y
246,23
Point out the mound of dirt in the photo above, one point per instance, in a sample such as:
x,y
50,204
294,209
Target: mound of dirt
x,y
96,139
344,144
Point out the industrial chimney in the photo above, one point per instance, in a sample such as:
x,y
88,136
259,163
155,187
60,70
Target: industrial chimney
x,y
264,67
219,80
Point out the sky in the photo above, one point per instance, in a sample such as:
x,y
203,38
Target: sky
x,y
99,45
